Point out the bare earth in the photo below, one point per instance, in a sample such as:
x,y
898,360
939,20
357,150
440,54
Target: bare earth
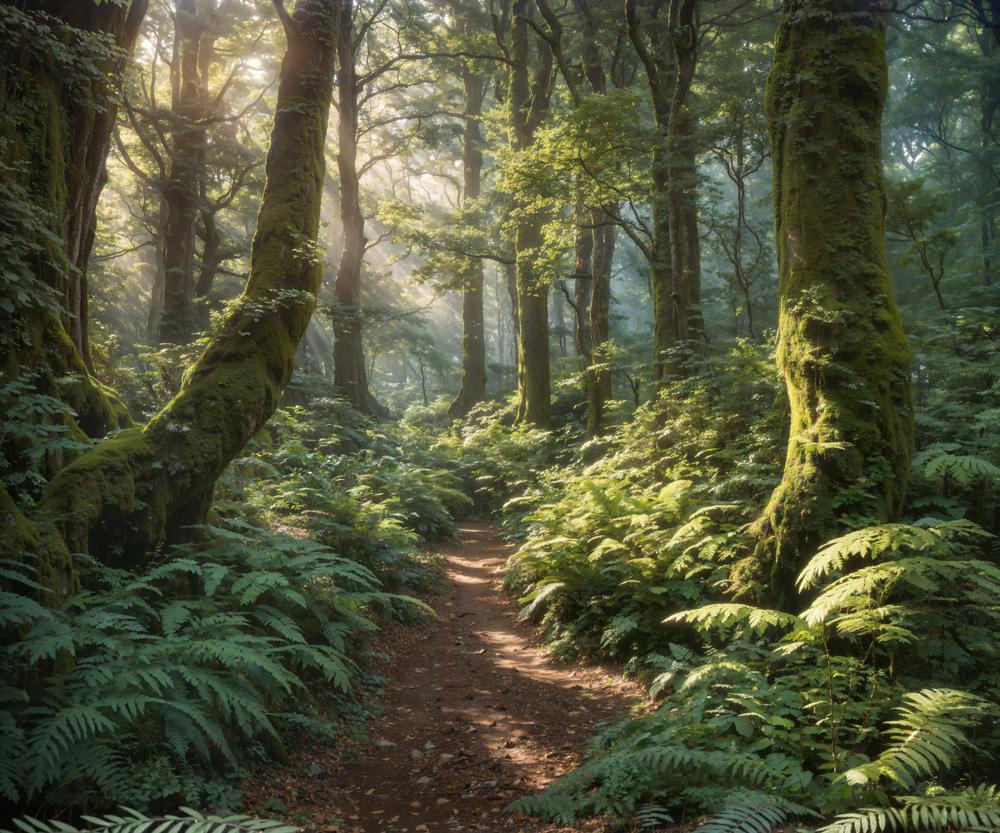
x,y
475,715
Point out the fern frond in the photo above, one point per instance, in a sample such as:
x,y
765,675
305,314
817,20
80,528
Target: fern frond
x,y
742,618
925,739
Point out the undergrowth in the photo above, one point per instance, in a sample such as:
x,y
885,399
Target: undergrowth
x,y
870,709
163,688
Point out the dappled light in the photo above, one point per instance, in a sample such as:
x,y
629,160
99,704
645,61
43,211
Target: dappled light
x,y
544,416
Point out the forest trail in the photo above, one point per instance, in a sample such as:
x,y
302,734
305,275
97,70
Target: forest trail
x,y
475,716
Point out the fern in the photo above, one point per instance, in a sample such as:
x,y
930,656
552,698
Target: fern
x,y
974,810
748,811
740,618
132,821
925,739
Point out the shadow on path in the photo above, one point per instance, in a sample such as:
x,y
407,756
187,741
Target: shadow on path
x,y
475,715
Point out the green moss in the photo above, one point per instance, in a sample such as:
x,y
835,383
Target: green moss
x,y
841,347
130,494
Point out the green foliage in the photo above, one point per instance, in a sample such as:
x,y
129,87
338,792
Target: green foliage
x,y
145,687
614,546
34,435
132,821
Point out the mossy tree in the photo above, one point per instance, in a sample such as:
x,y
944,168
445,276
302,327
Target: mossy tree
x,y
144,486
841,348
61,63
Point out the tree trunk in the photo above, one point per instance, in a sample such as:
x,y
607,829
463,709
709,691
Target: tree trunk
x,y
510,278
583,248
528,101
658,65
841,348
989,96
139,489
599,379
350,373
473,386
685,249
178,320
56,120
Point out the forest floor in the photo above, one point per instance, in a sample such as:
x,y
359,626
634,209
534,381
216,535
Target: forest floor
x,y
474,715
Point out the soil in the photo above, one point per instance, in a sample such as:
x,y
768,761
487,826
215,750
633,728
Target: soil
x,y
474,715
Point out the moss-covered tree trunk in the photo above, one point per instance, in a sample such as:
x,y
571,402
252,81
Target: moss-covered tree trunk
x,y
841,348
528,98
60,65
137,490
473,386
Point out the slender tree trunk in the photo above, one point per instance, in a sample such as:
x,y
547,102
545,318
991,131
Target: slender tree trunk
x,y
178,320
599,379
989,101
473,387
658,64
140,488
510,278
583,280
685,249
528,101
57,124
841,348
350,372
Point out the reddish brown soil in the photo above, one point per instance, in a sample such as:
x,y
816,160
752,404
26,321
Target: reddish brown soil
x,y
475,715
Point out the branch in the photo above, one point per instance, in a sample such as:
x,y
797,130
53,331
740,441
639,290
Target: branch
x,y
287,22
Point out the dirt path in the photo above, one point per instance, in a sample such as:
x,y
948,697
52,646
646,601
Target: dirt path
x,y
475,716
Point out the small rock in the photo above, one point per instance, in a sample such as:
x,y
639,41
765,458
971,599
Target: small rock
x,y
444,757
423,779
416,754
382,743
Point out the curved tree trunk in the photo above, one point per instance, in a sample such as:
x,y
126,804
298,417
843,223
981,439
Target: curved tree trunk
x,y
473,387
139,489
841,348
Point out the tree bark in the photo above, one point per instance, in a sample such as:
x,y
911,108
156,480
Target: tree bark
x,y
178,320
841,348
139,489
57,117
473,386
583,249
685,250
657,61
599,377
528,101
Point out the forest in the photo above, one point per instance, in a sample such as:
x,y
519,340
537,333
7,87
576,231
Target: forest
x,y
500,415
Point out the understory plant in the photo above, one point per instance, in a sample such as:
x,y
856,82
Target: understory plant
x,y
161,687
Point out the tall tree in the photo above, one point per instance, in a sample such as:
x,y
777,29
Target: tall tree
x,y
473,387
147,484
841,348
529,91
61,63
